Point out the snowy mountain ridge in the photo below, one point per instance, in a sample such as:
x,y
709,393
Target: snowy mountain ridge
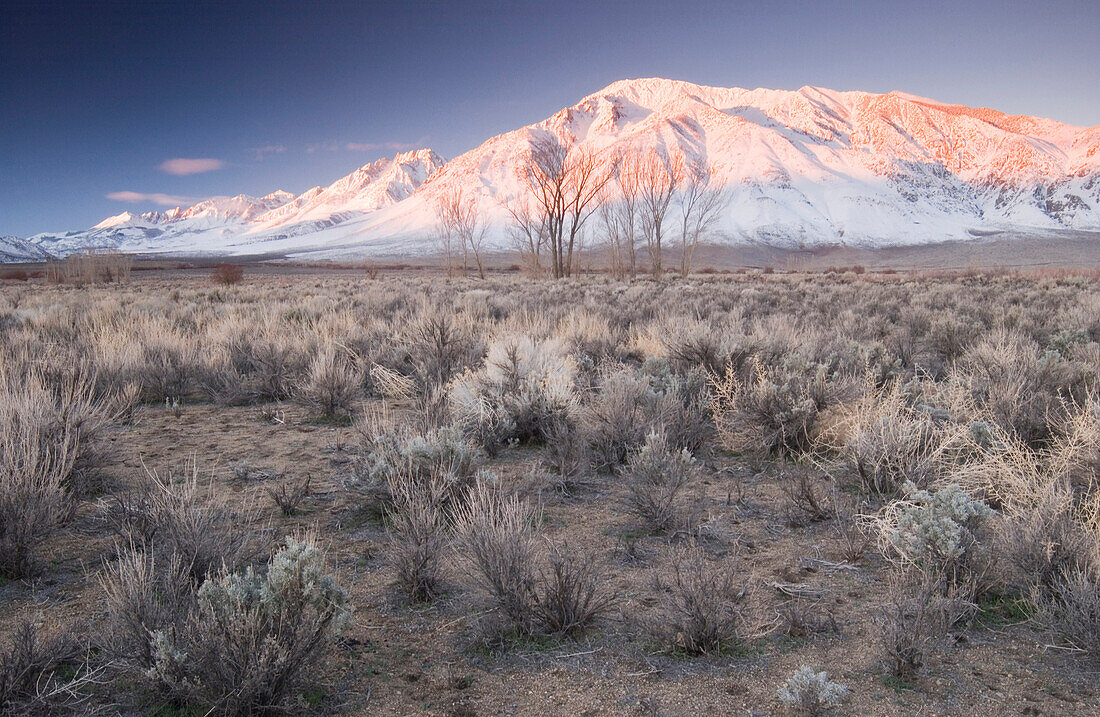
x,y
808,167
14,249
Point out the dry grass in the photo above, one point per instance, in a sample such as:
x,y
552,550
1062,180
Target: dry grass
x,y
545,450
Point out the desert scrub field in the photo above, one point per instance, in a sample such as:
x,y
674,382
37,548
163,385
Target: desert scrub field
x,y
744,494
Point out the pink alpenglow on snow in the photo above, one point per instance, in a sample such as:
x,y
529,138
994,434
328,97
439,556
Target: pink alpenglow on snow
x,y
805,167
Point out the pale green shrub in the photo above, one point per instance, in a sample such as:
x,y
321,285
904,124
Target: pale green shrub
x,y
250,640
440,455
518,394
936,530
810,693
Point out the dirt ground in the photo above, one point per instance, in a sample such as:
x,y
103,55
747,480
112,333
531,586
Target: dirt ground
x,y
400,660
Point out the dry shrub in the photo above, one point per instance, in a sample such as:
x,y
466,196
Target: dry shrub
x,y
438,347
1048,508
571,591
33,502
227,274
704,610
1071,607
619,417
169,367
391,384
777,410
418,533
290,495
914,620
61,402
567,453
850,526
1011,473
254,368
655,477
496,535
1042,540
700,347
800,618
886,442
1075,450
685,410
590,337
807,501
45,458
31,683
629,405
145,594
1022,388
524,387
332,384
950,335
168,517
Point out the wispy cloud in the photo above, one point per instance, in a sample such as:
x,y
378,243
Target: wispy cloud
x,y
322,147
375,146
364,146
258,153
164,200
181,166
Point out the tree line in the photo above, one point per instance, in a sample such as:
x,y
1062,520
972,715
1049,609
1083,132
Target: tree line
x,y
637,203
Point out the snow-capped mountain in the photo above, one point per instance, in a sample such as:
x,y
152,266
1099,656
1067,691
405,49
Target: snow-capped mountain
x,y
215,219
806,167
14,249
371,187
214,225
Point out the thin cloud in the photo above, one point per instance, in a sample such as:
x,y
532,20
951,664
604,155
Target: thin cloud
x,y
164,200
364,146
322,147
375,146
181,166
258,153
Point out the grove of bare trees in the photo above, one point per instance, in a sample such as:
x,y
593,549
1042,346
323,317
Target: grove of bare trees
x,y
460,227
701,201
651,200
566,186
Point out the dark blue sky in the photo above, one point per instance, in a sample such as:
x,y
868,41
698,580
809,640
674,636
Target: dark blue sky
x,y
96,96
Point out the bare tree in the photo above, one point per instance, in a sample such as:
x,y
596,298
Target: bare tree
x,y
620,218
658,178
627,179
445,238
701,201
566,185
611,218
529,232
459,218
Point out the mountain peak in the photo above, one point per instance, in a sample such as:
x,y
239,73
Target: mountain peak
x,y
118,220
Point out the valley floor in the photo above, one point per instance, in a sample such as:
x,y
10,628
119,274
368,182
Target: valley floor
x,y
811,596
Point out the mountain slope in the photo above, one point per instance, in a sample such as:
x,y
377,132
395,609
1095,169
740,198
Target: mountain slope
x,y
14,249
215,225
806,167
